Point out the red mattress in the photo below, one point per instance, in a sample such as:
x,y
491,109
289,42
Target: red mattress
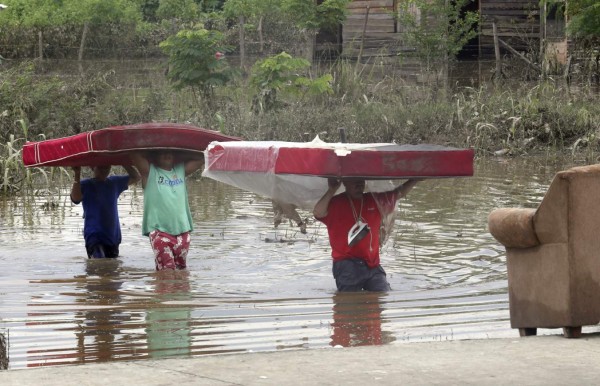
x,y
111,146
292,172
376,161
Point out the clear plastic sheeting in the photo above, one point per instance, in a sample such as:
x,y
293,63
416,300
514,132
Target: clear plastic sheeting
x,y
254,169
296,172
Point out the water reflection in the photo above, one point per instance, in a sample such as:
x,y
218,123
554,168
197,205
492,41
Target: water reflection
x,y
167,322
357,320
242,293
101,319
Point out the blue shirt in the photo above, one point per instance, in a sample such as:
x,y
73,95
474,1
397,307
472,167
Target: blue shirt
x,y
101,218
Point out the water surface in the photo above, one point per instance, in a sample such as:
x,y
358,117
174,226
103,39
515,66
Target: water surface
x,y
250,287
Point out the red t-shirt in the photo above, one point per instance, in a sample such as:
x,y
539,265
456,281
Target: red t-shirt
x,y
340,218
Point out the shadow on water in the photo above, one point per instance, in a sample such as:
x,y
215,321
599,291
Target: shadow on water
x,y
242,293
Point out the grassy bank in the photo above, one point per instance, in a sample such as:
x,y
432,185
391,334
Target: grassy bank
x,y
511,119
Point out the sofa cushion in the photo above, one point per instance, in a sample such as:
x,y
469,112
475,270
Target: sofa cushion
x,y
513,227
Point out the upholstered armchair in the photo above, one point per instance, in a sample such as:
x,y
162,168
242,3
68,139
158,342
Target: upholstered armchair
x,y
553,255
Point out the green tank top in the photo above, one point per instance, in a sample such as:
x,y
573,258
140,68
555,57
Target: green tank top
x,y
166,205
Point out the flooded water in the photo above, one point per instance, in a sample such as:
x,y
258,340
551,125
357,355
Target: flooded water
x,y
250,287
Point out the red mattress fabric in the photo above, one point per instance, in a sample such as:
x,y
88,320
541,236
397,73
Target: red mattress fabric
x,y
111,146
376,162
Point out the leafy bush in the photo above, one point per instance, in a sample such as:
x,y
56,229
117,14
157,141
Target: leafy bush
x,y
280,74
194,61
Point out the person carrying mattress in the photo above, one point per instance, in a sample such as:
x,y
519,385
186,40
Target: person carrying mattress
x,y
167,218
98,196
353,220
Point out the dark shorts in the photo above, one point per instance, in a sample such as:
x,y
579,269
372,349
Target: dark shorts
x,y
99,251
355,275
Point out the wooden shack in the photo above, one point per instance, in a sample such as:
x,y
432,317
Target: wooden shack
x,y
372,27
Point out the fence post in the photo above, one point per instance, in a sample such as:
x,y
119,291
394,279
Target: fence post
x,y
497,52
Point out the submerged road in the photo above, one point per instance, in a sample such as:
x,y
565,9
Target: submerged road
x,y
537,360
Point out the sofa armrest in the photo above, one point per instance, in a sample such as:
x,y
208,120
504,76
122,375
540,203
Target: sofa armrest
x,y
513,227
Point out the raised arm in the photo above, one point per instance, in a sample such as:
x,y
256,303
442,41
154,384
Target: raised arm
x,y
142,165
406,187
134,175
76,195
321,208
194,164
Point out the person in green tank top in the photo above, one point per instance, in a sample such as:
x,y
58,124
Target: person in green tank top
x,y
167,219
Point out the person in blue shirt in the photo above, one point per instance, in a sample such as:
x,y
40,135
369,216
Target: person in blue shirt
x,y
99,195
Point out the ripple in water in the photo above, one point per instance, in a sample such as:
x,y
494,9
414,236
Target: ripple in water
x,y
251,287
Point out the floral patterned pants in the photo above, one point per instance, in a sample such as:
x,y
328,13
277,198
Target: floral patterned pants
x,y
170,251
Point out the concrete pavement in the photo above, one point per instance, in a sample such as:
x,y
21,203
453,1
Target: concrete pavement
x,y
537,360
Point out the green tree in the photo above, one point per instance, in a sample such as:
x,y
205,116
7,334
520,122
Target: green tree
x,y
38,15
310,17
210,5
281,74
86,13
194,61
245,11
438,29
43,15
241,10
182,10
584,18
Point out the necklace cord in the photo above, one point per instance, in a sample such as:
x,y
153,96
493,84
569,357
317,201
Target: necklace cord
x,y
358,217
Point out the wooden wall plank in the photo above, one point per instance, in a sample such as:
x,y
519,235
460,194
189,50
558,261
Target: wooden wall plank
x,y
517,21
371,4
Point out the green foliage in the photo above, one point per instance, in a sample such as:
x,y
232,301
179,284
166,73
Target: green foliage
x,y
280,73
193,62
24,96
32,13
148,9
53,107
584,18
184,10
101,11
519,118
47,13
439,29
332,13
310,15
210,5
11,166
237,8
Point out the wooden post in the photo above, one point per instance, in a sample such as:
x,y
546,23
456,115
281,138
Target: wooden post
x,y
362,39
242,36
497,52
520,55
261,42
567,72
342,131
543,45
86,27
40,46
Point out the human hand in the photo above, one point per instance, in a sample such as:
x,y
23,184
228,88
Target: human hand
x,y
77,172
334,183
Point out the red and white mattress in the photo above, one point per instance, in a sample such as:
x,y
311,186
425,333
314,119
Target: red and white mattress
x,y
111,146
293,172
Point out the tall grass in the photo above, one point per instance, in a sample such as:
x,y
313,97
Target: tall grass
x,y
373,102
15,177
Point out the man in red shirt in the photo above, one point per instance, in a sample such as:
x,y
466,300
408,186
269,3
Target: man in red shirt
x,y
353,221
